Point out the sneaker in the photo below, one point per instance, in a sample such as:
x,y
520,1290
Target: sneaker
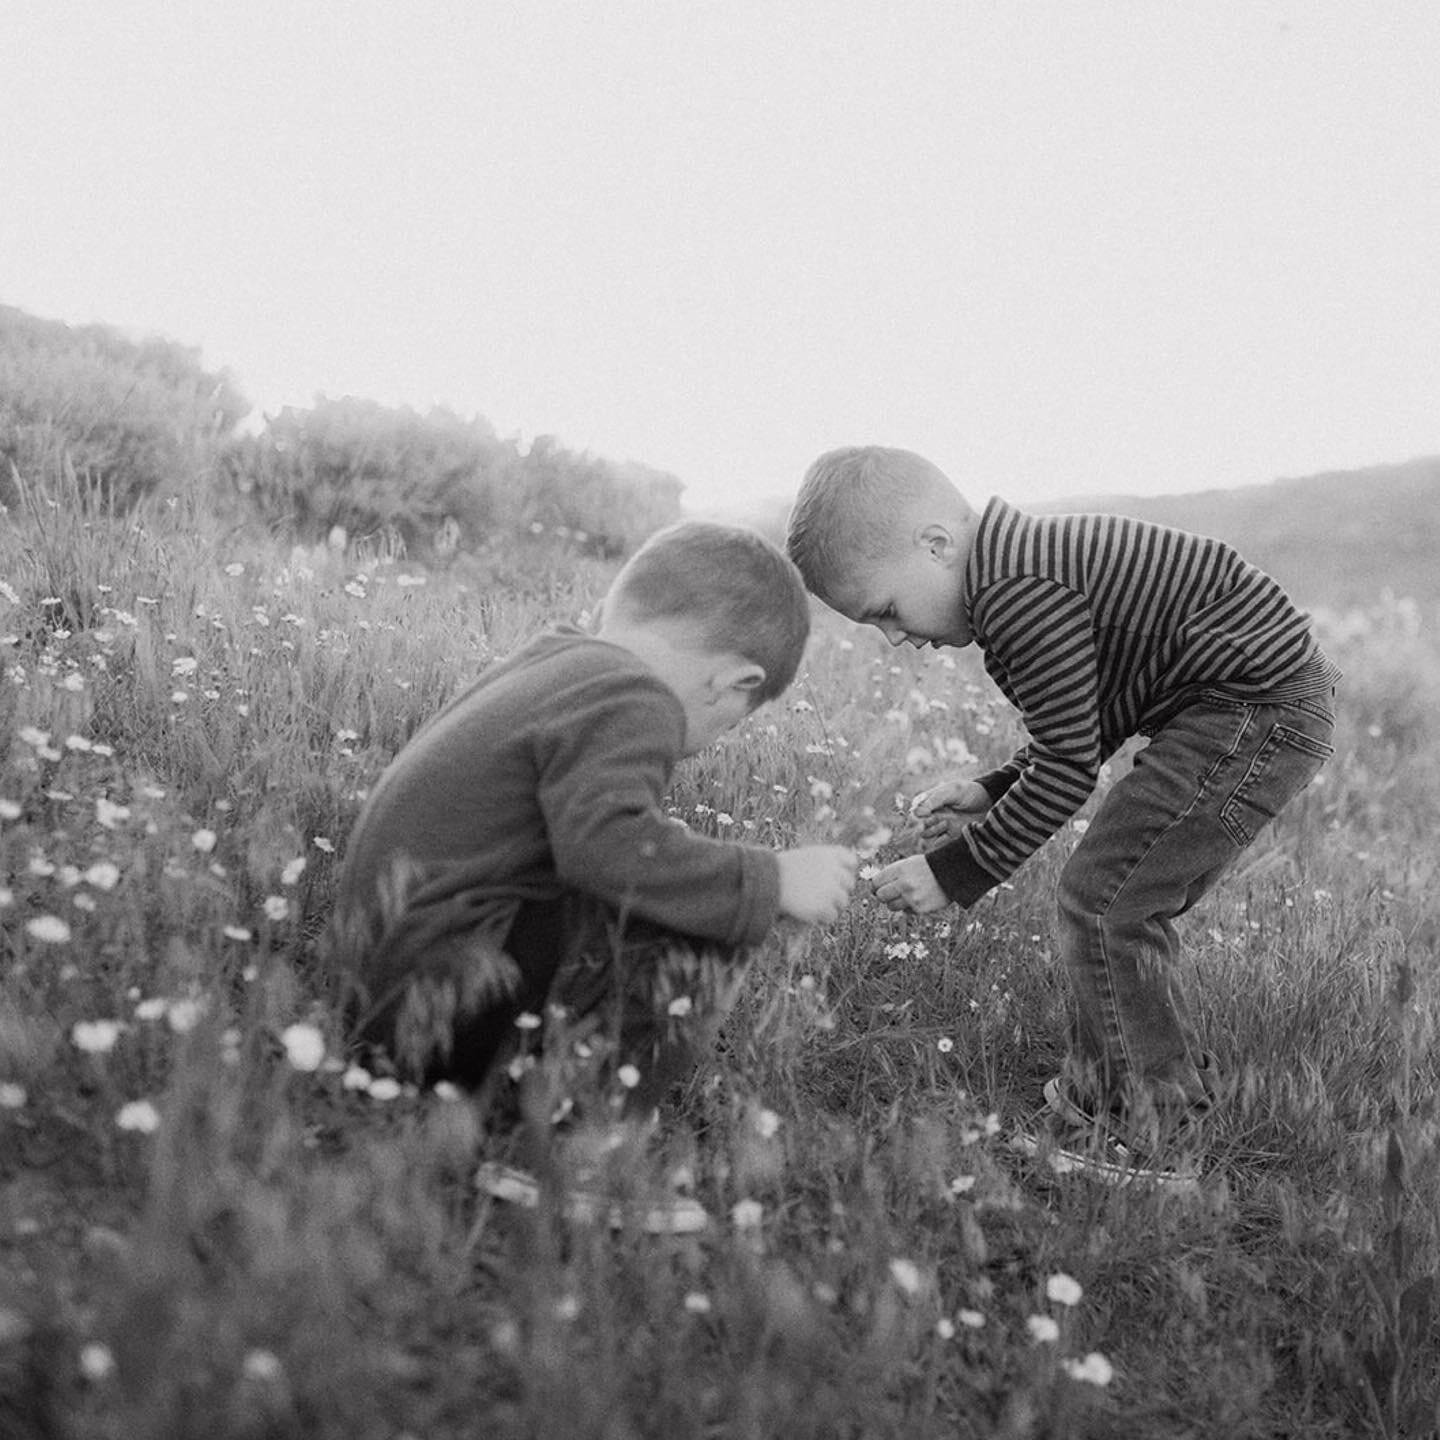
x,y
1075,1140
670,1215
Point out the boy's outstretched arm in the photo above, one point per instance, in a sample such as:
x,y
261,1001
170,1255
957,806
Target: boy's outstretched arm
x,y
815,882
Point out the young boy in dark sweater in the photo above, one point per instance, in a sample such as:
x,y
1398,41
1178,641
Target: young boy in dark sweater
x,y
515,858
1097,628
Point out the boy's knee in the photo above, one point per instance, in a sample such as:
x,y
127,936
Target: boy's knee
x,y
1081,892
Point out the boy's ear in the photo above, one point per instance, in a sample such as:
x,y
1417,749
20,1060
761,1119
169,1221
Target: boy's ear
x,y
938,539
746,675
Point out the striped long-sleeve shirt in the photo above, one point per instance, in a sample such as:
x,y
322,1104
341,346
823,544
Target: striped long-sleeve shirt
x,y
1097,628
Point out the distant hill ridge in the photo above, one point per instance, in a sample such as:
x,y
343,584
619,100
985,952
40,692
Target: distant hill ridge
x,y
1333,540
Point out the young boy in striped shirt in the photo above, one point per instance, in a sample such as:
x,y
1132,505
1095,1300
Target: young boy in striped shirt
x,y
1096,628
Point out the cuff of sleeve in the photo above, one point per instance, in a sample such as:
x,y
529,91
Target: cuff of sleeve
x,y
996,782
961,877
760,887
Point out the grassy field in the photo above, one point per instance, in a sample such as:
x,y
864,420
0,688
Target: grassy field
x,y
209,1227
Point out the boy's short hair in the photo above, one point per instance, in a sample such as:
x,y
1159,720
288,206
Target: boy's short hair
x,y
739,591
845,510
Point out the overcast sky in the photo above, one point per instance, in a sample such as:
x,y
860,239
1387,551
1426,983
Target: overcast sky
x,y
1061,248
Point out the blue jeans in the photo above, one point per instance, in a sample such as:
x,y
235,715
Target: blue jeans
x,y
1198,794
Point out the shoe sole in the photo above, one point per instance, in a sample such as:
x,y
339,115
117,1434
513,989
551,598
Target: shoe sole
x,y
1120,1171
584,1207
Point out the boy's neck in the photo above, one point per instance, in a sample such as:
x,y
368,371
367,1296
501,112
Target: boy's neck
x,y
670,655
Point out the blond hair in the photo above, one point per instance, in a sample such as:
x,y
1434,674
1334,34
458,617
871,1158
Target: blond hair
x,y
849,507
742,595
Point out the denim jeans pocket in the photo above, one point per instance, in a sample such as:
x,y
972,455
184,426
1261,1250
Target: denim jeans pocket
x,y
1283,765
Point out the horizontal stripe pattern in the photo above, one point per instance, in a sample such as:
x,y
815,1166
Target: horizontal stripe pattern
x,y
1099,627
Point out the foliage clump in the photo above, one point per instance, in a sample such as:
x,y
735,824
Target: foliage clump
x,y
435,485
136,417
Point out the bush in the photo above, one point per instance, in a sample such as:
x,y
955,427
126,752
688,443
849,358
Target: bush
x,y
136,417
434,485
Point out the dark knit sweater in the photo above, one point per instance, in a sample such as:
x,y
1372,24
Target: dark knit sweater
x,y
546,776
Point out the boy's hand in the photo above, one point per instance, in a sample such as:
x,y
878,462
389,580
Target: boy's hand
x,y
910,884
945,809
815,882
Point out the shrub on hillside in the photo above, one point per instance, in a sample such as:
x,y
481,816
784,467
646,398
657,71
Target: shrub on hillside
x,y
134,417
434,484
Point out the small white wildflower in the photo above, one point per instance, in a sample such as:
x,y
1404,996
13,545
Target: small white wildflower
x,y
357,1077
1063,1289
9,810
945,1328
184,665
1043,1330
96,1362
48,929
12,1096
304,1046
681,1005
153,1009
962,1184
184,1015
276,907
321,843
697,1303
103,875
971,1319
747,1214
36,739
95,1037
628,1076
944,1044
906,1274
387,1087
108,814
1094,1369
293,871
767,1124
448,1091
203,841
138,1115
261,1365
527,1020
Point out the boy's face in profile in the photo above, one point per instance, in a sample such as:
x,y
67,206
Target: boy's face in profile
x,y
912,594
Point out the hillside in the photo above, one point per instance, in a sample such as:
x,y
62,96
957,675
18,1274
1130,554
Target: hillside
x,y
1334,540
